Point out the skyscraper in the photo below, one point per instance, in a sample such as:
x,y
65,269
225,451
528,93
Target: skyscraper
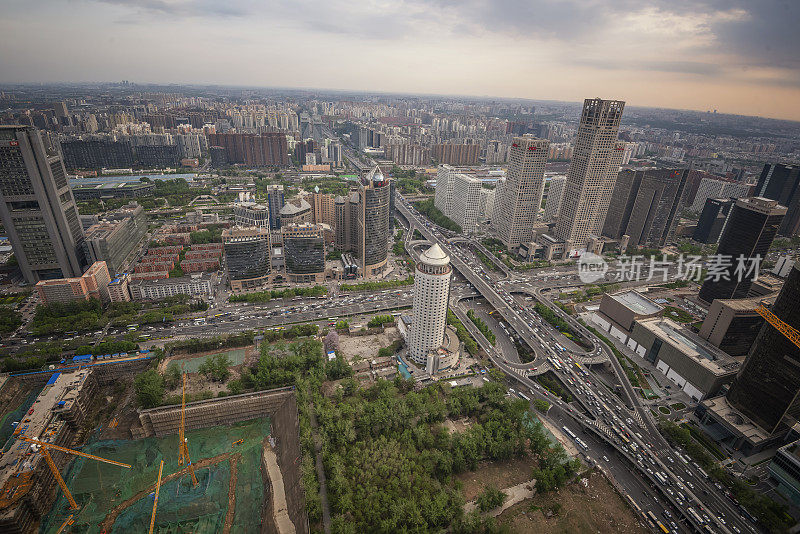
x,y
518,202
592,172
248,256
431,295
782,183
646,206
37,208
752,225
766,388
373,223
275,202
466,205
444,191
713,219
555,194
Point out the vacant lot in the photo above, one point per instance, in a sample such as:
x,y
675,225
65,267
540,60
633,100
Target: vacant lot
x,y
498,474
593,509
366,347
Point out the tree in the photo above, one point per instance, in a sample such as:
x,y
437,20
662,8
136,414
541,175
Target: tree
x,y
490,498
331,341
149,387
172,376
216,368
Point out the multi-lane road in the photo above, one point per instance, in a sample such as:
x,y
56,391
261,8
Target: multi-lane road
x,y
676,491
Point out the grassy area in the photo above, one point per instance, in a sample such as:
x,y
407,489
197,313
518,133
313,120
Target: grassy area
x,y
678,406
627,365
677,314
664,410
470,344
483,327
266,296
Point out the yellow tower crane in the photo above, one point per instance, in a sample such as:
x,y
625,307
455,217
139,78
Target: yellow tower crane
x,y
45,452
791,333
67,521
183,447
155,497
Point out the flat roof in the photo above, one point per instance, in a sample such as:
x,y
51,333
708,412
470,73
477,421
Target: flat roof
x,y
729,416
690,344
636,302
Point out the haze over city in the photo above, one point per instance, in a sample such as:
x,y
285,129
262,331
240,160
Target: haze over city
x,y
733,56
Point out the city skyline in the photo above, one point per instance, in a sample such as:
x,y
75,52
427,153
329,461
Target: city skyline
x,y
733,57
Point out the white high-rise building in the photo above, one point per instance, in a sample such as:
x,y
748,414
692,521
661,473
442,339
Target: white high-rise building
x,y
713,188
487,203
518,202
592,173
466,202
431,295
555,194
444,191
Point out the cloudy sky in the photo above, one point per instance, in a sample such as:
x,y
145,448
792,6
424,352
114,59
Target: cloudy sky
x,y
738,56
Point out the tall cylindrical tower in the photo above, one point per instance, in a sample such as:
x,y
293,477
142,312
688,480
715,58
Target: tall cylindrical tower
x,y
431,294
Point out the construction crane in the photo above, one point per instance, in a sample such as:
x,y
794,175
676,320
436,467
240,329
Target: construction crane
x,y
183,447
67,521
155,497
791,333
46,453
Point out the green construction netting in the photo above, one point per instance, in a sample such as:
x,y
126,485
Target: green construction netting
x,y
16,415
98,488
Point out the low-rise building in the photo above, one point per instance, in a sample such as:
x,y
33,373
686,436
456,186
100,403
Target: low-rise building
x,y
118,290
200,285
93,284
696,366
619,311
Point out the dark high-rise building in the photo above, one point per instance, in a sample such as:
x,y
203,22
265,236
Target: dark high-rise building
x,y
304,252
621,205
258,150
782,183
752,225
713,219
767,387
219,156
646,206
37,208
97,154
248,257
157,156
657,207
373,223
275,203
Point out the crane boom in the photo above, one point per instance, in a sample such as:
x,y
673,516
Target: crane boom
x,y
67,521
183,447
54,469
155,497
46,445
46,453
791,333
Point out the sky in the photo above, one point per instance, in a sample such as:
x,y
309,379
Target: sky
x,y
736,56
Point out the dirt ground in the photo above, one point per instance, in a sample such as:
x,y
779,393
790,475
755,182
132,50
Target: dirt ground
x,y
497,474
596,509
355,348
459,425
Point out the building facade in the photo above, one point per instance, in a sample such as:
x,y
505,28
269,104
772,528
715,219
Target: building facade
x,y
259,150
37,207
251,214
466,203
713,219
304,253
518,202
431,297
592,172
373,223
753,225
782,183
248,257
555,196
93,284
116,236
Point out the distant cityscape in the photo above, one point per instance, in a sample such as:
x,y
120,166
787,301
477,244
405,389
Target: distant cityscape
x,y
361,289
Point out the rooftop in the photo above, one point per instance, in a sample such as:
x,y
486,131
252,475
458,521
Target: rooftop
x,y
636,302
434,256
690,344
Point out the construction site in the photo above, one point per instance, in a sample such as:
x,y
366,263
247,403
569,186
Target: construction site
x,y
220,465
